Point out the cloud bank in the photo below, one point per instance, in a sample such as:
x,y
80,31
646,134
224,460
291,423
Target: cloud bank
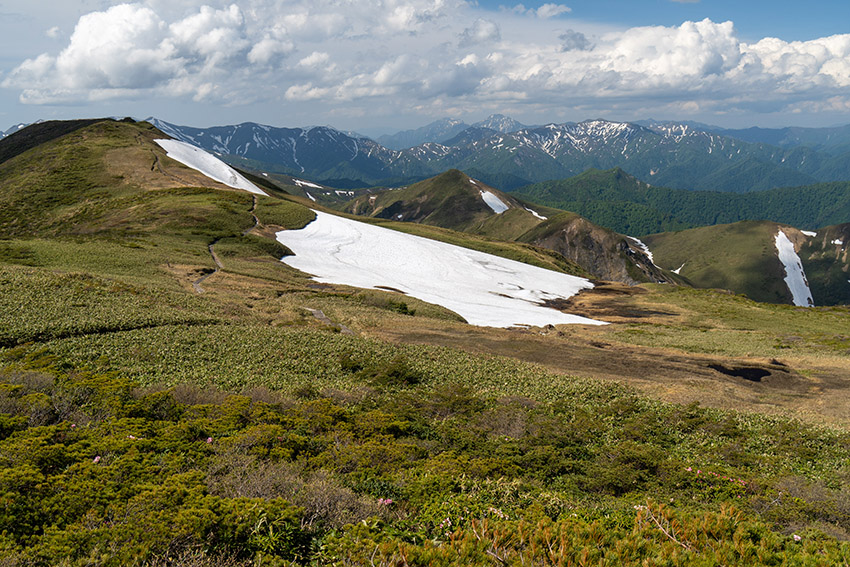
x,y
426,54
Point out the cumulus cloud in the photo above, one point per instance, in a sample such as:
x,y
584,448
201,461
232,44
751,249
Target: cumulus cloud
x,y
572,40
551,10
544,12
394,54
480,31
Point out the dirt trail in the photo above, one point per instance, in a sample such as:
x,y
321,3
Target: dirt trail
x,y
218,265
320,316
254,216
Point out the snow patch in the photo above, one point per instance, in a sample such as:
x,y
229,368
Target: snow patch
x,y
644,248
795,277
312,198
486,290
809,233
838,242
493,202
678,270
207,164
536,214
301,183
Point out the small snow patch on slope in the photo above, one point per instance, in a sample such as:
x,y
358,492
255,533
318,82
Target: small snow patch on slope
x,y
494,202
486,290
536,214
207,164
838,242
678,270
809,233
301,183
795,277
645,249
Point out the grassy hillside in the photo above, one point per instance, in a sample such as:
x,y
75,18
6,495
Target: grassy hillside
x,y
739,257
266,419
627,205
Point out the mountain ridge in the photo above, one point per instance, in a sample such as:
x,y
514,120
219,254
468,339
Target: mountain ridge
x,y
677,156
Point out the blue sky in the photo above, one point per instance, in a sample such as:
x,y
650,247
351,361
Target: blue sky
x,y
388,65
754,19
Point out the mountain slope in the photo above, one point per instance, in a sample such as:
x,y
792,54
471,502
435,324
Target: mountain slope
x,y
437,131
621,202
455,200
742,257
270,418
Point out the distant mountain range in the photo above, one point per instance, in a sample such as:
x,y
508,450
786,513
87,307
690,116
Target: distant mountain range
x,y
13,129
676,155
446,129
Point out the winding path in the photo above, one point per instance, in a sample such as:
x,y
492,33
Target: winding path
x,y
218,265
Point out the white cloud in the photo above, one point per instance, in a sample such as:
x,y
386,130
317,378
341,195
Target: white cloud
x,y
394,55
551,10
53,32
481,31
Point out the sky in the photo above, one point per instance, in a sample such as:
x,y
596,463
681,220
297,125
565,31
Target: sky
x,y
388,65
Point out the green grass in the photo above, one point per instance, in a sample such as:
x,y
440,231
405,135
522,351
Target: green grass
x,y
722,323
740,257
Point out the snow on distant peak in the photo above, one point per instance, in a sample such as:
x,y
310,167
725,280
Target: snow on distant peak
x,y
795,277
809,233
493,202
207,164
486,290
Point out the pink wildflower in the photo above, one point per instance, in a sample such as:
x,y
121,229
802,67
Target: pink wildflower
x,y
689,469
796,537
209,439
96,459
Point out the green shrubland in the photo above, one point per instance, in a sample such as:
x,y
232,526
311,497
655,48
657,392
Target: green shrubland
x,y
95,470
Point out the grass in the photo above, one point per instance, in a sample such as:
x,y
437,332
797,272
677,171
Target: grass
x,y
740,257
138,414
732,325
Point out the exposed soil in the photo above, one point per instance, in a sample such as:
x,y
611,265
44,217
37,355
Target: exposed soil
x,y
607,301
751,384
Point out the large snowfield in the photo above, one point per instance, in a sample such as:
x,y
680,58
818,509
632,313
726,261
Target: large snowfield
x,y
795,277
207,164
485,290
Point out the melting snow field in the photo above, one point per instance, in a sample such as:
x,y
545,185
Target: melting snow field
x,y
795,277
207,164
494,202
486,290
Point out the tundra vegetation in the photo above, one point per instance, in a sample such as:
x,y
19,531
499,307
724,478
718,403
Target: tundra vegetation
x,y
143,423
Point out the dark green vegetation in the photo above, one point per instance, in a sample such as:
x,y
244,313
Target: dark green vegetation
x,y
616,200
96,471
145,423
